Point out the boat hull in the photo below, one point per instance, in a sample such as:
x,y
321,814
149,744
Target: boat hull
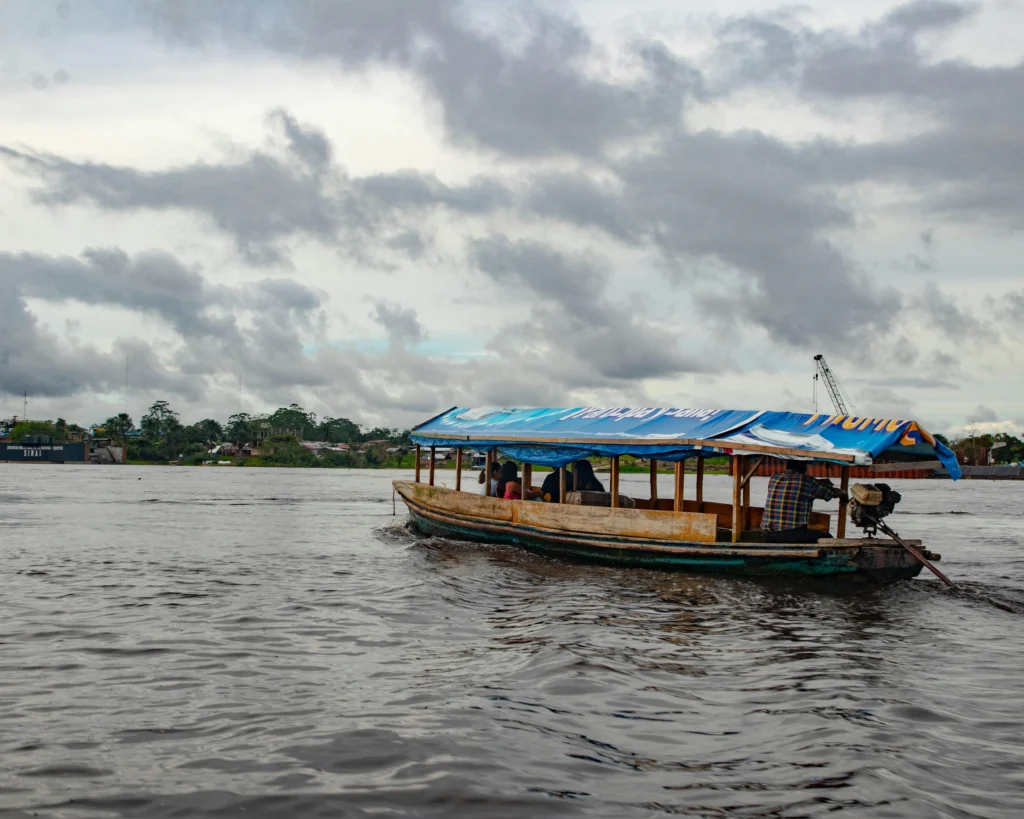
x,y
859,560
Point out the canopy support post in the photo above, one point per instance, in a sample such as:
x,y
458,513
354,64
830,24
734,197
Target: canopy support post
x,y
527,480
737,491
844,501
433,459
746,503
418,457
679,479
562,484
654,484
458,469
615,481
741,475
700,483
488,466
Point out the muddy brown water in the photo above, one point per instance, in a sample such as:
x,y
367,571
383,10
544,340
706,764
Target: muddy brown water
x,y
242,642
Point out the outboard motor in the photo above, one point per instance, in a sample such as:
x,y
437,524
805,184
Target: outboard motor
x,y
871,502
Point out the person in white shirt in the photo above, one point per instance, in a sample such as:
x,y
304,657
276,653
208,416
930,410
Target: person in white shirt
x,y
491,487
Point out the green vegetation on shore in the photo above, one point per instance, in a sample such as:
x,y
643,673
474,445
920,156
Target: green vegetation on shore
x,y
273,439
59,430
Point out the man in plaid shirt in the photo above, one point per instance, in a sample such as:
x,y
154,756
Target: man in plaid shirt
x,y
791,494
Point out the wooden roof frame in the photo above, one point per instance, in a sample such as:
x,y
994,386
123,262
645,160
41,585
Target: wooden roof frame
x,y
723,446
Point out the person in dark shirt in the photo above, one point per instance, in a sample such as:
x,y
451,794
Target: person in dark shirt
x,y
584,478
551,488
787,510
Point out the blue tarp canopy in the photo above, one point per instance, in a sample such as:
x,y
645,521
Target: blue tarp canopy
x,y
557,436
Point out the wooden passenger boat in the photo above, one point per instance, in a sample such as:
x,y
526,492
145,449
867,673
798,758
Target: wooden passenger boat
x,y
671,533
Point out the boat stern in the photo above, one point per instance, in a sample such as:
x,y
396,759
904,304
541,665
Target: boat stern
x,y
881,561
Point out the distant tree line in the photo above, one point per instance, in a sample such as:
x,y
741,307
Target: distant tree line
x,y
1002,447
162,437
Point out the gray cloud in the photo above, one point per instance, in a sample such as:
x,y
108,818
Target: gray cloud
x,y
881,401
401,324
268,351
880,59
766,217
752,203
578,199
883,59
923,15
918,382
262,200
149,373
410,189
409,243
759,206
917,263
308,144
1012,307
898,364
923,262
275,363
950,318
982,414
574,284
31,359
285,293
965,166
258,201
590,340
150,282
34,361
524,90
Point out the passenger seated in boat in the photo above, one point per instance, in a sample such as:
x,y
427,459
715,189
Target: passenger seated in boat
x,y
584,478
791,494
551,489
490,486
509,485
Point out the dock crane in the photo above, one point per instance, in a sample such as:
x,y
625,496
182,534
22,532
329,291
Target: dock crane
x,y
835,392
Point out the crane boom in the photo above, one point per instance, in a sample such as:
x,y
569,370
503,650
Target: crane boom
x,y
831,384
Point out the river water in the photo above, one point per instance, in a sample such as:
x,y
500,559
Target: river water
x,y
181,642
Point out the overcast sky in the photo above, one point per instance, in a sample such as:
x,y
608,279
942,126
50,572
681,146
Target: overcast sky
x,y
382,209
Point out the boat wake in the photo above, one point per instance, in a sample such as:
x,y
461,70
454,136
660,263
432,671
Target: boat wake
x,y
1004,598
935,514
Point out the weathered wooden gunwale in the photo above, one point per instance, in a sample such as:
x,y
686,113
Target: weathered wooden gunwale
x,y
420,501
640,524
632,523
